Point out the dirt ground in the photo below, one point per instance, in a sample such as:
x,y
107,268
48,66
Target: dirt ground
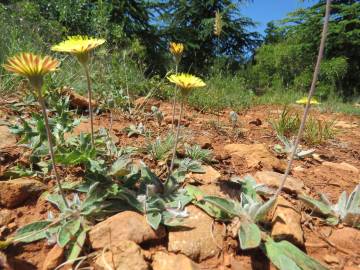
x,y
336,247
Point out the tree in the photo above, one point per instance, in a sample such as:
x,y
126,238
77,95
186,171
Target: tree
x,y
191,22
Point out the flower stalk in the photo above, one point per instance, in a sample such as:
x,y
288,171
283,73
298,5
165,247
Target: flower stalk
x,y
88,79
34,68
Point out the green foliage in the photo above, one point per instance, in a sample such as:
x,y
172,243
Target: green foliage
x,y
318,131
286,256
160,149
346,210
195,152
287,58
287,123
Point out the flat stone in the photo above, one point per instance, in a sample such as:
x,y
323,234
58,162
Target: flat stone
x,y
14,192
198,239
287,223
273,179
7,139
126,255
210,176
342,166
127,225
203,141
346,125
146,103
167,261
331,259
77,100
256,156
5,217
4,262
346,238
54,258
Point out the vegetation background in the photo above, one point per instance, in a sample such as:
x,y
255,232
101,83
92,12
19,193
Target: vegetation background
x,y
242,66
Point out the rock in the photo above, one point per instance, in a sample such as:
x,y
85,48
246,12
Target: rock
x,y
4,262
331,259
5,217
78,101
346,238
126,255
126,225
256,155
14,192
210,176
167,261
273,179
203,141
7,139
342,124
299,169
287,223
198,239
54,258
146,103
342,166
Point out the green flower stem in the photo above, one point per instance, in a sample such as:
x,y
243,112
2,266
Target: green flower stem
x,y
176,136
51,148
86,67
174,100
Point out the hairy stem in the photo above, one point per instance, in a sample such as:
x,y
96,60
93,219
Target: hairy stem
x,y
126,83
86,67
311,92
174,99
176,137
51,148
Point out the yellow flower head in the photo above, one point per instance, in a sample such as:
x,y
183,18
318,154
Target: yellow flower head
x,y
186,82
32,66
176,49
79,46
304,100
217,23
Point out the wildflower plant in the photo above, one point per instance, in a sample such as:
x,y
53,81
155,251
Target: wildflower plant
x,y
81,46
186,83
304,100
34,68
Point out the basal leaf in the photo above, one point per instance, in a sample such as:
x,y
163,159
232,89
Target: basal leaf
x,y
154,219
32,232
226,205
318,206
68,232
120,167
264,210
76,245
276,251
249,235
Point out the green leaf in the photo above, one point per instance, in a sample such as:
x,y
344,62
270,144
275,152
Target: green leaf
x,y
68,232
318,206
354,199
154,219
57,200
249,235
32,232
276,251
76,245
264,210
226,205
120,167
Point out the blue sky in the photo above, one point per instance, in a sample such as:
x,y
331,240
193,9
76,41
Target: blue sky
x,y
263,11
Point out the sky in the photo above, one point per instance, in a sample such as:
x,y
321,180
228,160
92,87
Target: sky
x,y
264,11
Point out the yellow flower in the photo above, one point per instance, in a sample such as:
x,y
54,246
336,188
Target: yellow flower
x,y
186,82
217,23
80,46
176,49
32,66
304,100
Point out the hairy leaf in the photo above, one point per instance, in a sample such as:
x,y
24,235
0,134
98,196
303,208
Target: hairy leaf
x,y
68,232
32,232
249,235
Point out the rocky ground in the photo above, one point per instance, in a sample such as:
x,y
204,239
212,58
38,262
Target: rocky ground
x,y
129,242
